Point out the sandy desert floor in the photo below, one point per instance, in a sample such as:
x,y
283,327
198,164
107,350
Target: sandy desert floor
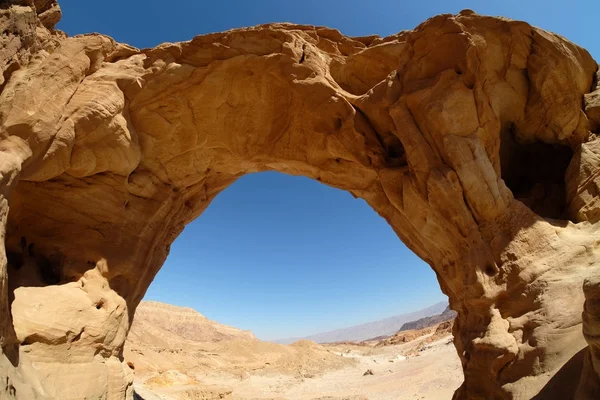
x,y
434,374
178,354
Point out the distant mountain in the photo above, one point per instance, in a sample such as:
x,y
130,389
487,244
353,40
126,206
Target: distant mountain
x,y
159,324
166,338
169,346
384,327
426,322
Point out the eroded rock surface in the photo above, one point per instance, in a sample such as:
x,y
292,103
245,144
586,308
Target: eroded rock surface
x,y
474,137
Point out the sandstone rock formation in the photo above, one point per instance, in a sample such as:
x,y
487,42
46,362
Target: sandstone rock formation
x,y
474,137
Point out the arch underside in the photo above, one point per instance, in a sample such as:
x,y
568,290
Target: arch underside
x,y
474,137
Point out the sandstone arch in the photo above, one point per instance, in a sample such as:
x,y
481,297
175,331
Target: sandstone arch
x,y
108,151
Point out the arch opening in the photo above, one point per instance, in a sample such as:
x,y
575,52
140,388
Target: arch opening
x,y
279,222
287,257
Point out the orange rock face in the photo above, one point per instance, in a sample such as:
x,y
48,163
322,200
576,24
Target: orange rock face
x,y
474,137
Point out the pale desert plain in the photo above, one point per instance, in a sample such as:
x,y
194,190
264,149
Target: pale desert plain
x,y
178,354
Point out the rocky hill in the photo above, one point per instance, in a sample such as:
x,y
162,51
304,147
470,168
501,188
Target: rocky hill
x,y
421,323
422,336
369,330
169,346
163,324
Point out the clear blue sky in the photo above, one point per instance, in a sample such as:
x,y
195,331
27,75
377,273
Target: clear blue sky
x,y
287,256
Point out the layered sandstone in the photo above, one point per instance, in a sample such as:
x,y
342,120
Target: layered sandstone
x,y
474,137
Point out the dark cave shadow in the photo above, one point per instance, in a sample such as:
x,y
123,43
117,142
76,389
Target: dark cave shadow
x,y
563,384
11,351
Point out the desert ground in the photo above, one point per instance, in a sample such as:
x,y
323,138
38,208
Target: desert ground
x,y
177,354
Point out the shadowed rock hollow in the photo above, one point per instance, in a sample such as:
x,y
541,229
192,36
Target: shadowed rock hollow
x,y
474,137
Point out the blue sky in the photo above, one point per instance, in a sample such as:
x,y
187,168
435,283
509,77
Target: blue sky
x,y
287,256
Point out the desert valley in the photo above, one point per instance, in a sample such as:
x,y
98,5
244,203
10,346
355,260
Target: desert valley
x,y
178,354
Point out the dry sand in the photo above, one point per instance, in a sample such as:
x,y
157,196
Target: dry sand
x,y
168,367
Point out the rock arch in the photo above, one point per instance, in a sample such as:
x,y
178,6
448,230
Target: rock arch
x,y
474,137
